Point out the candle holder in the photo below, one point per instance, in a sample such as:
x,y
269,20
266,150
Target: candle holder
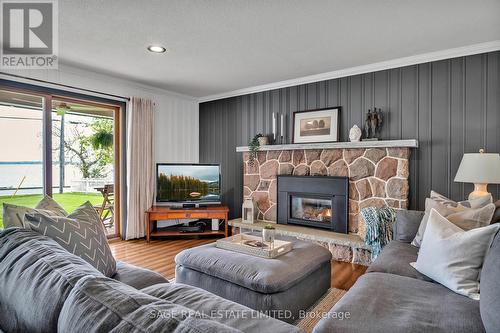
x,y
274,128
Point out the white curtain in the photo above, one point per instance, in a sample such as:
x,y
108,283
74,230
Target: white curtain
x,y
140,165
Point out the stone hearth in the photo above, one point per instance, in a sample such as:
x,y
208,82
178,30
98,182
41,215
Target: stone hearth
x,y
377,177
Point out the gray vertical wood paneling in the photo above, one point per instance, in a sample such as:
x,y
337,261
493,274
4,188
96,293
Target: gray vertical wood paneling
x,y
440,128
381,98
409,118
450,106
457,125
493,105
345,102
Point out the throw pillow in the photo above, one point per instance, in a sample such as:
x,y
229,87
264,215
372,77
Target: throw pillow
x,y
47,203
490,298
407,223
80,233
471,203
465,218
13,216
496,215
452,256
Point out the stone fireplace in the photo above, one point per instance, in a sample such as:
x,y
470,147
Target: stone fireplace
x,y
313,201
377,175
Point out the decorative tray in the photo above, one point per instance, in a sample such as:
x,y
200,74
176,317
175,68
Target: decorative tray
x,y
254,246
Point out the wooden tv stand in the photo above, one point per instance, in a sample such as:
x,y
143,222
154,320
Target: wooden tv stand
x,y
157,213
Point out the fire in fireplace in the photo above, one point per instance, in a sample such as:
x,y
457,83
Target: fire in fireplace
x,y
312,209
314,201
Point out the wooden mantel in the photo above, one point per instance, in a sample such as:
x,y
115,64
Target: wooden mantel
x,y
409,143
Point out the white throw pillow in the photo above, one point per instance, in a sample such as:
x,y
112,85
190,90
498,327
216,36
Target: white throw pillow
x,y
452,256
465,218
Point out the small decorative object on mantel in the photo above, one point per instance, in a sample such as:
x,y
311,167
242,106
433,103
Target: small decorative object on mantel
x,y
355,134
373,124
248,211
263,140
274,128
282,129
316,125
279,137
254,146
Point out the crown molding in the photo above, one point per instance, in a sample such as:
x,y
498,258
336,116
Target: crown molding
x,y
378,66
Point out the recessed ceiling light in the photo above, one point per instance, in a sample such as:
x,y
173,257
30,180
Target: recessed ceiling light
x,y
156,48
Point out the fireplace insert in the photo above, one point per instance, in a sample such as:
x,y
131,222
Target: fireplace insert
x,y
314,201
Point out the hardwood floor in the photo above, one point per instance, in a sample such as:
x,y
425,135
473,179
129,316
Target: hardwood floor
x,y
345,274
159,256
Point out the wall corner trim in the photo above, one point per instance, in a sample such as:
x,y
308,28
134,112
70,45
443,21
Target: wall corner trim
x,y
383,65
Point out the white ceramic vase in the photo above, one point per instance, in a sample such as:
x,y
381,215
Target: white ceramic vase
x,y
355,134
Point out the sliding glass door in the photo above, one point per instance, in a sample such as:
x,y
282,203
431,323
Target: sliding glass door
x,y
64,147
21,148
83,156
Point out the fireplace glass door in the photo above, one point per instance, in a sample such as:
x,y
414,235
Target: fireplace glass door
x,y
313,201
311,209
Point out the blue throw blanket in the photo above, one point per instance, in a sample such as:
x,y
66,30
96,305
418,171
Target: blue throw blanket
x,y
379,223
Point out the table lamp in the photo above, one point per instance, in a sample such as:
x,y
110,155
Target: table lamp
x,y
481,169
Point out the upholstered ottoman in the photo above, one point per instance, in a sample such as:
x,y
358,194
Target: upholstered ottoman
x,y
280,287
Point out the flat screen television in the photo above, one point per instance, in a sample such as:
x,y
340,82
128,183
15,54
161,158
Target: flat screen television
x,y
188,183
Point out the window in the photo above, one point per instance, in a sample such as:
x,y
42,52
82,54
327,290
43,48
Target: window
x,y
61,146
21,148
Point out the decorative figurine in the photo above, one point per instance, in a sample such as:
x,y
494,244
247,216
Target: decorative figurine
x,y
373,124
367,123
378,118
355,134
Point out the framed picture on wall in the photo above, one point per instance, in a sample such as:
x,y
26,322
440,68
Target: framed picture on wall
x,y
316,125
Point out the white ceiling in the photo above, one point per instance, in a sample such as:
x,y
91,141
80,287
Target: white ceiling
x,y
218,46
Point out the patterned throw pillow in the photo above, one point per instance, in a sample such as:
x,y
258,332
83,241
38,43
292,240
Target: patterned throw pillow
x,y
47,203
13,216
457,213
80,233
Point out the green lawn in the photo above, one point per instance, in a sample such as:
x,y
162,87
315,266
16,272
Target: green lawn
x,y
69,201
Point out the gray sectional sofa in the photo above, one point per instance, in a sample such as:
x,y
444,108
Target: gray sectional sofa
x,y
393,297
44,288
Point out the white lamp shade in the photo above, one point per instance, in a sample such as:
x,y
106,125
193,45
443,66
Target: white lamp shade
x,y
479,168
